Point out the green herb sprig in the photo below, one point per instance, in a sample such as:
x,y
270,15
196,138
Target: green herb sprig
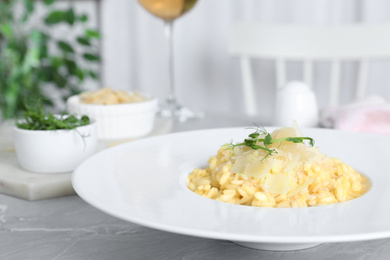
x,y
37,119
255,142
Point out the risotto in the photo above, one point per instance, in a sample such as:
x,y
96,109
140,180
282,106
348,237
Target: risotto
x,y
279,172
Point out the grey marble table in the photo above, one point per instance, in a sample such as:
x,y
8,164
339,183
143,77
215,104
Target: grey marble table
x,y
69,228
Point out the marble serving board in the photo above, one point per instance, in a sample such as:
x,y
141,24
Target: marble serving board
x,y
26,185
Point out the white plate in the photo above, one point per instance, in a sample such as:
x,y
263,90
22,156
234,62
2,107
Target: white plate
x,y
144,182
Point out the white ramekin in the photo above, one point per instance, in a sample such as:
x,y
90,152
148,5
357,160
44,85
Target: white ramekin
x,y
54,151
119,121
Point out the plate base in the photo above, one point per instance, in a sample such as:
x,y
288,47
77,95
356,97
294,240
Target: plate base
x,y
277,246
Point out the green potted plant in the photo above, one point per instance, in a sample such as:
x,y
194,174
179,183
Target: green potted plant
x,y
31,59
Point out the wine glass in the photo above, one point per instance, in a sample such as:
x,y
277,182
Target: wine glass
x,y
169,10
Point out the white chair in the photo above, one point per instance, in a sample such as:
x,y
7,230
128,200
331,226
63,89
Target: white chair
x,y
308,43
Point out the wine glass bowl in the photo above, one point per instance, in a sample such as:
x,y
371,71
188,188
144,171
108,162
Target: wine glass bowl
x,y
168,10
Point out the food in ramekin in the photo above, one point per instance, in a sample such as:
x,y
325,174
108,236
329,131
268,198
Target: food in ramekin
x,y
277,170
108,96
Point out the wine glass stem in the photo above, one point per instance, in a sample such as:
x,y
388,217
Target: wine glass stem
x,y
171,75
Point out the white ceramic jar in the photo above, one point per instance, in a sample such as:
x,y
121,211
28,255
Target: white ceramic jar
x,y
54,151
296,102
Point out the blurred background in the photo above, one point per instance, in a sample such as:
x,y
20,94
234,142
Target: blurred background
x,y
133,48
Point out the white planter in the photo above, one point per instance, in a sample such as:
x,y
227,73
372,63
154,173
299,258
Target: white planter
x,y
54,151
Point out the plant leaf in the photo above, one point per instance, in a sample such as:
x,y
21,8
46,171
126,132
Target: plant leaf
x,y
55,17
71,66
80,74
38,37
70,17
83,18
65,46
83,41
59,80
92,34
32,57
91,57
29,4
268,139
49,2
6,30
43,51
93,74
45,73
56,62
25,17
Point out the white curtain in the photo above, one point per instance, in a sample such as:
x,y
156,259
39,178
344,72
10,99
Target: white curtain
x,y
134,49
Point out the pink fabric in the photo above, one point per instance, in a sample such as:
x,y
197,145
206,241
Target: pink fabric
x,y
371,115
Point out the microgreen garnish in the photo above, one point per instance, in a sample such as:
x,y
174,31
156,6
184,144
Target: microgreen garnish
x,y
257,143
36,119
